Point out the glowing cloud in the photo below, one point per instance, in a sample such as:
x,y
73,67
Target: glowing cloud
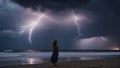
x,y
92,43
115,48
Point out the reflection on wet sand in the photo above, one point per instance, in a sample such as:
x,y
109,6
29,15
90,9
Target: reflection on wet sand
x,y
33,60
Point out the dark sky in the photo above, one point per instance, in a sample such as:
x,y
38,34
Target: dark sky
x,y
102,32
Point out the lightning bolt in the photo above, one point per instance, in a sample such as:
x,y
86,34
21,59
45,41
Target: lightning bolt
x,y
33,25
76,20
36,22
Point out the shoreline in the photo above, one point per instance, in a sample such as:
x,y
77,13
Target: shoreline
x,y
29,50
100,63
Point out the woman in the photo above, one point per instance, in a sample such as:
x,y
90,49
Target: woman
x,y
54,57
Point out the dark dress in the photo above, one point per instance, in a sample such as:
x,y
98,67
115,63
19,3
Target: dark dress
x,y
54,57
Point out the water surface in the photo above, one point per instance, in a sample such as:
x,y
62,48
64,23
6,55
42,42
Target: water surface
x,y
14,58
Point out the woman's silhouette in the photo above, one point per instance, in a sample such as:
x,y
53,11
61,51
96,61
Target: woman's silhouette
x,y
54,57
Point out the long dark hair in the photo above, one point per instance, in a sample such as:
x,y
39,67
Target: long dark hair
x,y
54,43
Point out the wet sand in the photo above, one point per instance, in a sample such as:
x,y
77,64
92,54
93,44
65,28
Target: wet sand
x,y
101,63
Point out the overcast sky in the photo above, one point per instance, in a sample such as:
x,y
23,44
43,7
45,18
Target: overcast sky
x,y
99,27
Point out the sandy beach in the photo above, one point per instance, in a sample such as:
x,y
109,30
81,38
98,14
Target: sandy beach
x,y
101,63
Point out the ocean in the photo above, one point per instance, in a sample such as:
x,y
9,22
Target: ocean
x,y
35,57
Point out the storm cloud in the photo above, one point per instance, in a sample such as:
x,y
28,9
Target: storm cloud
x,y
56,5
9,33
106,12
103,14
